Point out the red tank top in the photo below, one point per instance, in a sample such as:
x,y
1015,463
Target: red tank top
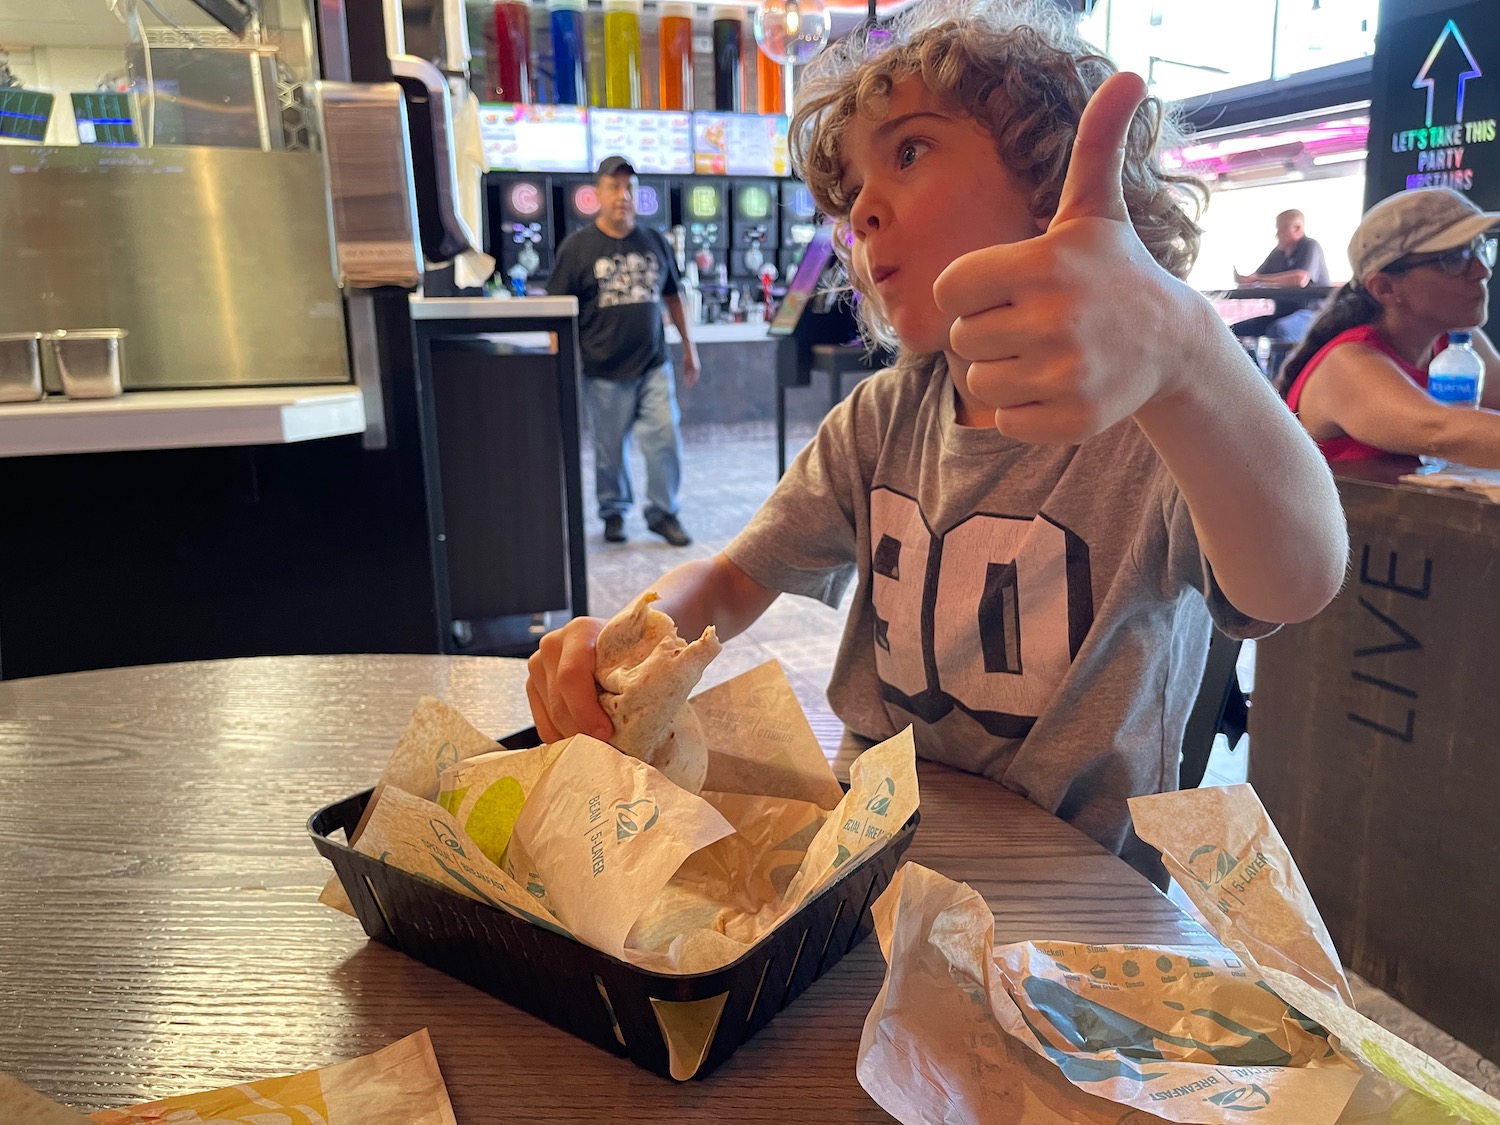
x,y
1344,447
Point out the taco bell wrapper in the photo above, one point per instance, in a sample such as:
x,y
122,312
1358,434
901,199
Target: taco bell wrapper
x,y
21,1105
608,832
396,1085
1174,1034
964,1031
603,848
436,737
1221,847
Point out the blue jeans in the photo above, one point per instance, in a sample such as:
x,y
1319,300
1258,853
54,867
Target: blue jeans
x,y
1286,329
649,405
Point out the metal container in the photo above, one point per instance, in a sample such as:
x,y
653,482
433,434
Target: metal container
x,y
90,361
21,367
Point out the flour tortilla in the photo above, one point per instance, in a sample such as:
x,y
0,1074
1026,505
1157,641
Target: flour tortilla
x,y
645,673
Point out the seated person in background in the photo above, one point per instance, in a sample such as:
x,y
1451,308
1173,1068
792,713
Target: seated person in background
x,y
1296,262
1057,485
1357,382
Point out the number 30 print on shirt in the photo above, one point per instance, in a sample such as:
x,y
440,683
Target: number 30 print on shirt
x,y
985,618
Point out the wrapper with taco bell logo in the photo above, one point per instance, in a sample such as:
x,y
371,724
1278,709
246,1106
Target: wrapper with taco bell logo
x,y
602,847
1127,1033
1220,845
1254,1030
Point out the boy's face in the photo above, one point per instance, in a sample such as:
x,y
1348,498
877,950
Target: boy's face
x,y
928,187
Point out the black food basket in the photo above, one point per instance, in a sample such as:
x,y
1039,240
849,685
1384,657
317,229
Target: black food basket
x,y
581,990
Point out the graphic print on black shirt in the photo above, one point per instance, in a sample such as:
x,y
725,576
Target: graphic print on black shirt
x,y
1002,658
619,283
627,279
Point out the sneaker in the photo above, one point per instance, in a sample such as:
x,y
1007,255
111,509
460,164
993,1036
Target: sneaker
x,y
670,530
614,529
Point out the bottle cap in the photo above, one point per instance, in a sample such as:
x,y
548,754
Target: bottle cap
x,y
677,10
729,13
1460,337
567,5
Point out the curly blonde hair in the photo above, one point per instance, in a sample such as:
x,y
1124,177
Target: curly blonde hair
x,y
1020,69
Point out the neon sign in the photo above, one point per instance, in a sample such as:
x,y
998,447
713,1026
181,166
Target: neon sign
x,y
1443,148
1424,76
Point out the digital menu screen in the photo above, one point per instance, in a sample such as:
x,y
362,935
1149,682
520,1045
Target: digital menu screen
x,y
24,114
535,138
105,119
741,144
804,284
654,141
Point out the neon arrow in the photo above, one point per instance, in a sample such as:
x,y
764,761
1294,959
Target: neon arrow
x,y
1450,28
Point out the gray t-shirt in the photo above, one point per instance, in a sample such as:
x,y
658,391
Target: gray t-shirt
x,y
1036,612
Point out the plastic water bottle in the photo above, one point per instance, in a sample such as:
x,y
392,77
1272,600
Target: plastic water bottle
x,y
1455,377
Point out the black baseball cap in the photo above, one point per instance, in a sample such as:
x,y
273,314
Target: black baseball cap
x,y
614,165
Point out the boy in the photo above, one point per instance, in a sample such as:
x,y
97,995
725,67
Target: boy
x,y
1071,456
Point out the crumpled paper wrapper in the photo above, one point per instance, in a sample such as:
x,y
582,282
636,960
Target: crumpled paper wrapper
x,y
397,1085
1480,482
1221,847
1170,1034
1054,1031
1261,906
21,1105
606,849
435,738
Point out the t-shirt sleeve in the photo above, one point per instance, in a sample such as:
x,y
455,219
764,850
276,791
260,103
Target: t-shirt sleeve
x,y
669,275
802,540
1309,256
560,281
1188,566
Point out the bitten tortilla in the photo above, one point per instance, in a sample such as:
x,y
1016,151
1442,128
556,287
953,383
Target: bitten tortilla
x,y
645,673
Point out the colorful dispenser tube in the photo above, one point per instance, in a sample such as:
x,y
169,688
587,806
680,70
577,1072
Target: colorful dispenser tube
x,y
622,54
729,40
770,95
569,54
676,38
510,56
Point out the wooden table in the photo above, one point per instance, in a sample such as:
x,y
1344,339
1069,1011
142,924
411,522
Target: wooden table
x,y
1374,728
160,934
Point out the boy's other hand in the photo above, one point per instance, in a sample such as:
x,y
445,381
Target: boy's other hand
x,y
560,685
1072,331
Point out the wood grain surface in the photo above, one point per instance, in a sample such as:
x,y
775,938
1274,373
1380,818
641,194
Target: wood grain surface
x,y
160,932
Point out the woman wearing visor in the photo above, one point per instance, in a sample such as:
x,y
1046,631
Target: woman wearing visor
x,y
1422,262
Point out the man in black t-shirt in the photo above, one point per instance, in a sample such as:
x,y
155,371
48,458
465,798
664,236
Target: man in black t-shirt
x,y
622,274
1296,263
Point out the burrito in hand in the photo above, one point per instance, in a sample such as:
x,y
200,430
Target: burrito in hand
x,y
645,673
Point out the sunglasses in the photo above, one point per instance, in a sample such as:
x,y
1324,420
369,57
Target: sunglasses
x,y
1455,262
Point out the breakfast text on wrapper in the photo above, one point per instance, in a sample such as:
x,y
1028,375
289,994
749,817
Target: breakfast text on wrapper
x,y
595,833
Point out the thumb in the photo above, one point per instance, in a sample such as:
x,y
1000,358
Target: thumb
x,y
1092,187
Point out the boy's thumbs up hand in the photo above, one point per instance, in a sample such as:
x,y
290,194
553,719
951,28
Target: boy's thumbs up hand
x,y
1068,333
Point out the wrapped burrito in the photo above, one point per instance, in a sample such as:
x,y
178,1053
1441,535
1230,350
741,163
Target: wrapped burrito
x,y
645,673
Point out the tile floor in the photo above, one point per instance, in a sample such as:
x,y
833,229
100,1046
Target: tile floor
x,y
727,472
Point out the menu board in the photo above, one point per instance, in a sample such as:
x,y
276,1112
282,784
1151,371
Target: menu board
x,y
24,114
656,142
535,138
741,144
104,119
804,284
